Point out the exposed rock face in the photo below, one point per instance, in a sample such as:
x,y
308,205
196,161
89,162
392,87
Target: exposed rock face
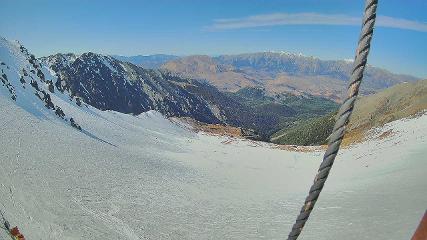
x,y
109,84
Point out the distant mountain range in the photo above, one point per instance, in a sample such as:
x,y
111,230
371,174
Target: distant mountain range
x,y
282,72
277,72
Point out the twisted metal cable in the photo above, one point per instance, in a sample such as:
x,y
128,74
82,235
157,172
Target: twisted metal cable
x,y
344,113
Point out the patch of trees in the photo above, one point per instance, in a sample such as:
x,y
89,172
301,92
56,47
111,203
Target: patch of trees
x,y
309,132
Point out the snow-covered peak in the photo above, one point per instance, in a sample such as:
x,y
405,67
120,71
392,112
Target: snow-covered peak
x,y
285,53
348,60
11,54
60,58
32,85
291,54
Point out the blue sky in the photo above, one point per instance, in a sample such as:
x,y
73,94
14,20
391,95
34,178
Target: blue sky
x,y
327,29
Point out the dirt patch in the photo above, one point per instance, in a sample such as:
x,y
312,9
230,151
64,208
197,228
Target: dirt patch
x,y
214,129
386,134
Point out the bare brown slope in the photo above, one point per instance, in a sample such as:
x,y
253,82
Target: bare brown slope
x,y
400,101
397,102
203,67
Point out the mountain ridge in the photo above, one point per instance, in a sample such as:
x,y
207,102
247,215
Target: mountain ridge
x,y
278,73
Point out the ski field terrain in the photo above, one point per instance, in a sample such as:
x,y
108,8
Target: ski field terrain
x,y
71,171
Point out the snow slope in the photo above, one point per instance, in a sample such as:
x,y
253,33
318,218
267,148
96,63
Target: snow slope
x,y
144,177
31,85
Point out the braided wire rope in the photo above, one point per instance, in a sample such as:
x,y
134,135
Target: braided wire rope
x,y
343,117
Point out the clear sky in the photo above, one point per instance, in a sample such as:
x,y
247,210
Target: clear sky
x,y
327,29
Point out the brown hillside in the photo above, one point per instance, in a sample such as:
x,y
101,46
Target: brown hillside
x,y
282,73
400,101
